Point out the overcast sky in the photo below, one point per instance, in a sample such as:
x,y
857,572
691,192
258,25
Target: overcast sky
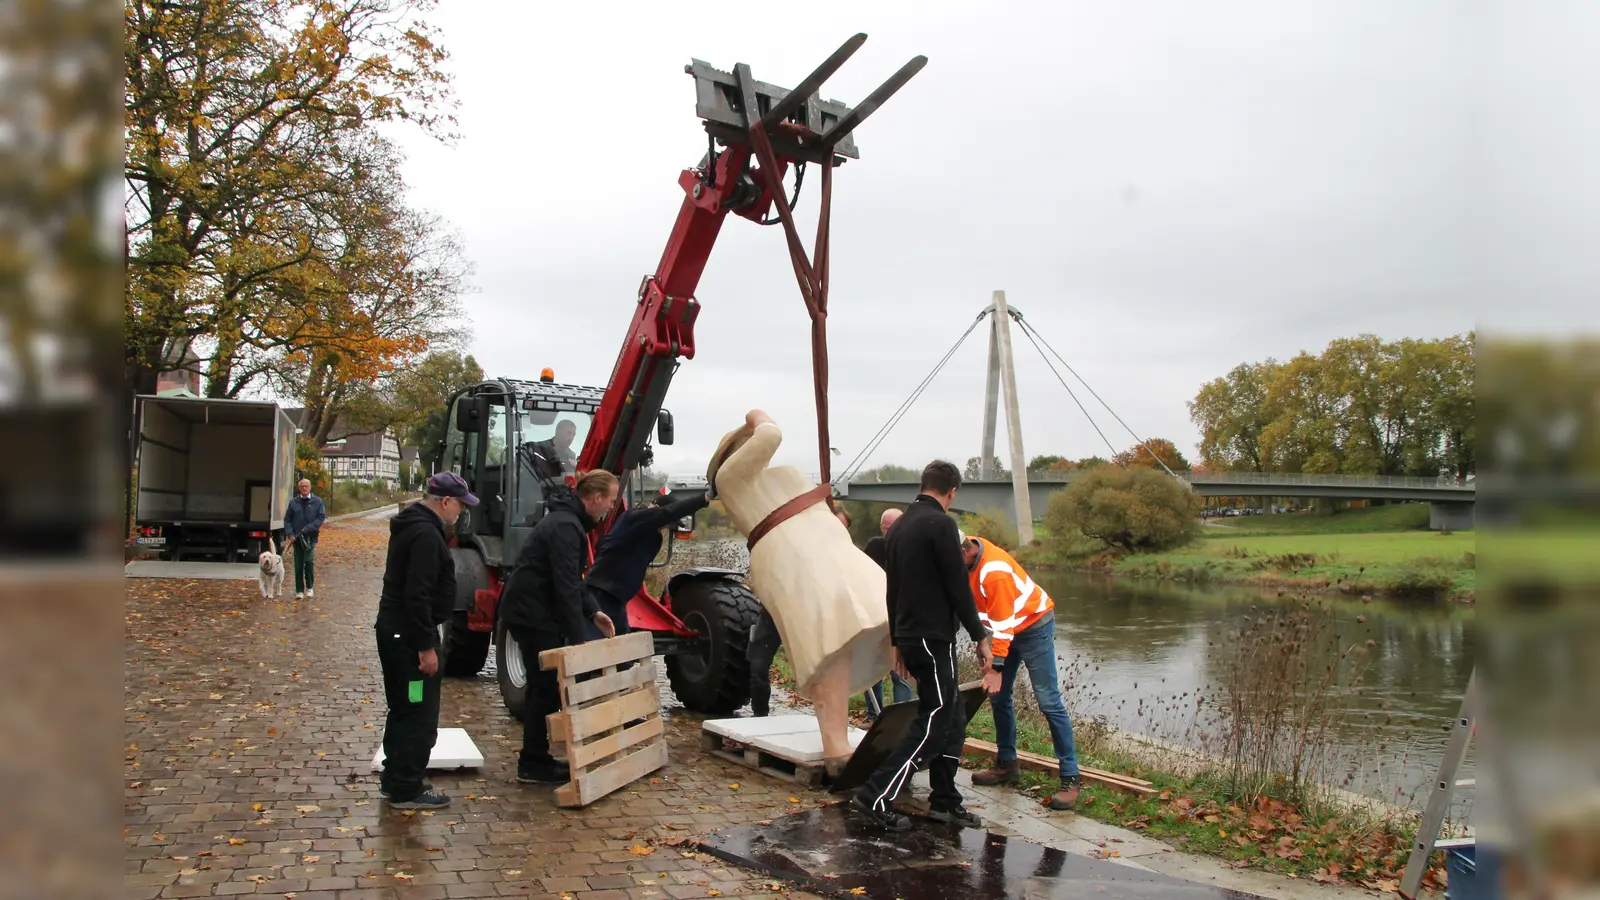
x,y
1163,189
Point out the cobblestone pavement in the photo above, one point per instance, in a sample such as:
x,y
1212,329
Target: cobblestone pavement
x,y
250,729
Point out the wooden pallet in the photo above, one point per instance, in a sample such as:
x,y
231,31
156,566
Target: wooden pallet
x,y
805,774
1036,763
589,731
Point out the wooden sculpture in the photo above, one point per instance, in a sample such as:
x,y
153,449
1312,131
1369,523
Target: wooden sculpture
x,y
826,596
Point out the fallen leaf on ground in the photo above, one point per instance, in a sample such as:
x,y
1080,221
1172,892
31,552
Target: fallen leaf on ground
x,y
513,871
637,850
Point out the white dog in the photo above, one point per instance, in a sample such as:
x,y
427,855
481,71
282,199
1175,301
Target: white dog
x,y
271,575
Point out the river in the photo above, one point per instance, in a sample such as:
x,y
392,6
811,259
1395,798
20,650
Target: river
x,y
1138,652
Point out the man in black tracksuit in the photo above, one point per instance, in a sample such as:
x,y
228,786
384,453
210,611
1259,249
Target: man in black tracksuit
x,y
419,589
624,555
928,594
545,606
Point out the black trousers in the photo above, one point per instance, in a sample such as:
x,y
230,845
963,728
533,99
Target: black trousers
x,y
544,697
764,644
934,739
617,610
412,725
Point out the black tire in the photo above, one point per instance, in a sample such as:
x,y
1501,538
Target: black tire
x,y
716,680
465,651
510,672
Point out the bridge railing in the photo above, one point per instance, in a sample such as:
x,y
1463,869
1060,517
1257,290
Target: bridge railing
x,y
1285,479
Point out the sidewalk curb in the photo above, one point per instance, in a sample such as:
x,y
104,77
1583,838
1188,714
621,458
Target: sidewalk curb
x,y
364,512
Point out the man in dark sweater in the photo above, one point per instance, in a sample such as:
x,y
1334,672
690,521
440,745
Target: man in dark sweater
x,y
624,555
419,589
545,606
928,595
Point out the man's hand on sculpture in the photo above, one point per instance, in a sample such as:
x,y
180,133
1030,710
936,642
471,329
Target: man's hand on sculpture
x,y
604,623
899,664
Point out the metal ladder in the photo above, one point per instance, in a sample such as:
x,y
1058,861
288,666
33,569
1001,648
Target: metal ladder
x,y
1433,815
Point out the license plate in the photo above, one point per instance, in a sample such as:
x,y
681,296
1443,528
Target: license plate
x,y
150,541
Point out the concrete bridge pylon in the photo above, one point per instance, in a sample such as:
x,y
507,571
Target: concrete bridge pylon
x,y
1002,376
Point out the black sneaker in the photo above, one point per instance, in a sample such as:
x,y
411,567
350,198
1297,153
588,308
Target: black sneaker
x,y
384,789
887,819
428,799
960,815
556,774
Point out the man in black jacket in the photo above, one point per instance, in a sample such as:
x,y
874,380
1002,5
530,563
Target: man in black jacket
x,y
419,588
545,606
624,555
928,595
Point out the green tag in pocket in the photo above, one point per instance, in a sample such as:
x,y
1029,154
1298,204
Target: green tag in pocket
x,y
416,692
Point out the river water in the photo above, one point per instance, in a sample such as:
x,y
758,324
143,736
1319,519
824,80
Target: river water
x,y
1138,653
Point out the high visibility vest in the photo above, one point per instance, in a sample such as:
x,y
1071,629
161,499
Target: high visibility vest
x,y
1008,600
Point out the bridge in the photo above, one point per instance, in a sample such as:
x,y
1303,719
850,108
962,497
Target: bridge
x,y
1451,502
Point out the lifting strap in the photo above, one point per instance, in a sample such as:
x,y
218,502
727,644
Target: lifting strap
x,y
783,513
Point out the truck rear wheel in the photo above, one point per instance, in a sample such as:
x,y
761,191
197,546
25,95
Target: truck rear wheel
x,y
713,676
511,672
465,651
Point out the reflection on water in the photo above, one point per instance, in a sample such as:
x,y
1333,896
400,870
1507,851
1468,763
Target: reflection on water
x,y
1139,653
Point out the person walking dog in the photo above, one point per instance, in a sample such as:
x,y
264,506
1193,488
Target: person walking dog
x,y
419,591
302,523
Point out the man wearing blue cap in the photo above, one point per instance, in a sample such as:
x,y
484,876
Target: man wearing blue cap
x,y
419,587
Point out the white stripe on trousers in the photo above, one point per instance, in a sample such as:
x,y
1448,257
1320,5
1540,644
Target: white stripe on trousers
x,y
910,764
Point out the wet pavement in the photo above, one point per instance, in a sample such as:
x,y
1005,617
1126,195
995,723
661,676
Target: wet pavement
x,y
840,851
250,727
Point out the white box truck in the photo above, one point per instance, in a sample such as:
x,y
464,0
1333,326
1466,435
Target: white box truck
x,y
214,476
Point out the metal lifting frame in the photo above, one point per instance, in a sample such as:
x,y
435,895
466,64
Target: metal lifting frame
x,y
774,129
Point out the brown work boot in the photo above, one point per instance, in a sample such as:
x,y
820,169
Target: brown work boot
x,y
1002,773
1067,797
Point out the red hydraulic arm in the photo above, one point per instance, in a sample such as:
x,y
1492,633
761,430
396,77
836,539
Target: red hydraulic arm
x,y
764,131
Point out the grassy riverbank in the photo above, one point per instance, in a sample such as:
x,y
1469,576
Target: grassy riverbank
x,y
1204,811
1382,550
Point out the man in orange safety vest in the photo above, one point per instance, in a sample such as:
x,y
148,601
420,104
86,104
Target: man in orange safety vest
x,y
1022,618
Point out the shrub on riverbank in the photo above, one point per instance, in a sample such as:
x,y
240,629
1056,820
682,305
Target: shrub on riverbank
x,y
991,526
1135,509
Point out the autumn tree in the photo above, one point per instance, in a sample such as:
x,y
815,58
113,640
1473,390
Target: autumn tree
x,y
1362,406
973,470
1232,412
1148,453
421,396
390,292
1136,508
235,110
1044,462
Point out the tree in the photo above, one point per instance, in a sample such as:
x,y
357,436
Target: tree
x,y
1092,462
389,294
890,473
236,113
1145,455
1136,508
1045,462
973,470
1231,413
422,395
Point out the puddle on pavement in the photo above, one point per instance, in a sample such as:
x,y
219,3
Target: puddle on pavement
x,y
837,850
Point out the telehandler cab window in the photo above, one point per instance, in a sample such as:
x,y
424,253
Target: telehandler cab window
x,y
552,440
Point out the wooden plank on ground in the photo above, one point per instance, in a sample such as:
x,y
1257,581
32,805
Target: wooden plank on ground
x,y
615,683
575,725
587,754
591,655
1035,762
588,787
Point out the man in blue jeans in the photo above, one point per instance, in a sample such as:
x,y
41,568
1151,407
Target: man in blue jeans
x,y
1022,618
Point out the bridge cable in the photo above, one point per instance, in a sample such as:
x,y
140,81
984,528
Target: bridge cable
x,y
1029,330
883,432
1064,384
